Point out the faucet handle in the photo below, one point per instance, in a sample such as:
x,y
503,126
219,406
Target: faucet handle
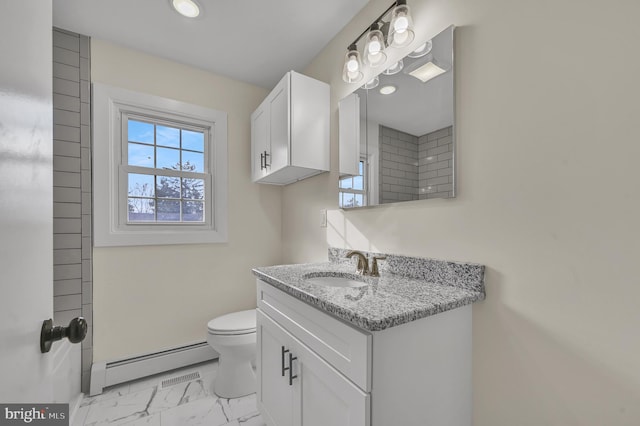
x,y
374,265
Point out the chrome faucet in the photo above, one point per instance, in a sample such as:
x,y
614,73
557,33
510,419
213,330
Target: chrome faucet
x,y
363,262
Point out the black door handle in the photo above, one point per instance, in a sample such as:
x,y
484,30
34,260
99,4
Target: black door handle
x,y
76,331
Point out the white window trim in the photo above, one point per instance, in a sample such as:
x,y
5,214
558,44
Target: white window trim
x,y
110,227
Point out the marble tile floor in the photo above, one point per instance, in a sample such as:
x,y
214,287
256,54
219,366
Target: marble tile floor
x,y
145,402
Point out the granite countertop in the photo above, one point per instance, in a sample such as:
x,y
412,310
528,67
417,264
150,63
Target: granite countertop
x,y
408,288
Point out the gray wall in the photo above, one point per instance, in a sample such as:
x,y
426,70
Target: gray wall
x,y
399,166
415,167
435,164
72,286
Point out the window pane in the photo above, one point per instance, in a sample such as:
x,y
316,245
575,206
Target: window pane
x,y
361,168
359,200
346,183
193,189
193,141
141,210
347,200
140,132
168,211
193,211
140,185
357,182
140,155
193,161
340,194
168,158
168,136
168,187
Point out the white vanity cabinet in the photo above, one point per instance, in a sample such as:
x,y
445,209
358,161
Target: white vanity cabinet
x,y
316,370
290,131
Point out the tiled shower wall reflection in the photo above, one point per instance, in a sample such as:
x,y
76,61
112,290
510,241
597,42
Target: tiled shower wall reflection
x,y
72,273
415,167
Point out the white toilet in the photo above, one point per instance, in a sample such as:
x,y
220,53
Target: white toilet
x,y
233,336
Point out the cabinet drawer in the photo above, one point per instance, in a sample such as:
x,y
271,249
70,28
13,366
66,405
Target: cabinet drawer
x,y
345,348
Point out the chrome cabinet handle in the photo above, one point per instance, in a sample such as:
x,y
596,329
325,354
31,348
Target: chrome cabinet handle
x,y
265,160
261,161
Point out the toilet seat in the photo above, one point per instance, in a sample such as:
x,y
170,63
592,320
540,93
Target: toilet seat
x,y
236,323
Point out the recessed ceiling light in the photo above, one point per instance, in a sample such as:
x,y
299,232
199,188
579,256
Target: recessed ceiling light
x,y
188,8
387,90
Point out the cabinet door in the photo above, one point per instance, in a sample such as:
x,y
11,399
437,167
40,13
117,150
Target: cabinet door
x,y
275,395
349,134
279,125
259,134
323,396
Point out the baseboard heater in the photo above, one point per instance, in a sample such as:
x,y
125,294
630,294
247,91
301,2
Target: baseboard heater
x,y
104,374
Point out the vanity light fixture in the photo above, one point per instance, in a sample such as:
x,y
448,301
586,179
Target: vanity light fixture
x,y
401,28
387,90
371,84
374,55
422,50
394,69
394,28
188,8
352,71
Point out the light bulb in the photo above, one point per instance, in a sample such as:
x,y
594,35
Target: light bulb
x,y
374,45
352,65
351,72
401,24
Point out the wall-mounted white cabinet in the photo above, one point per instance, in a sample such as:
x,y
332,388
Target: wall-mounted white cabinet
x,y
290,131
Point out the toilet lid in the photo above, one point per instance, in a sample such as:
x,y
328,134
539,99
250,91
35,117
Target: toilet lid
x,y
242,322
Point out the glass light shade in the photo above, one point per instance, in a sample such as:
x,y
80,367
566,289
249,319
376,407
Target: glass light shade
x,y
422,50
187,8
374,55
394,69
372,84
352,70
401,28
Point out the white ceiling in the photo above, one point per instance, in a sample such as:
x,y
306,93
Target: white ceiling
x,y
255,41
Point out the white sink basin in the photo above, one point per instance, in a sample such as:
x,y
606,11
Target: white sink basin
x,y
336,282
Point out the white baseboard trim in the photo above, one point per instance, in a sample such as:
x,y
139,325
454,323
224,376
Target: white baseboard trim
x,y
104,374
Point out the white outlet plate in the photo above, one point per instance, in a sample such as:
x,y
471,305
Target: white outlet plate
x,y
323,218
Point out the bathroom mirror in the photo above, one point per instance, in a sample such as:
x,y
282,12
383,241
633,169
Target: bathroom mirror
x,y
406,130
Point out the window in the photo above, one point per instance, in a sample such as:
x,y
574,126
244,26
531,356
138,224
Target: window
x,y
352,192
160,170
